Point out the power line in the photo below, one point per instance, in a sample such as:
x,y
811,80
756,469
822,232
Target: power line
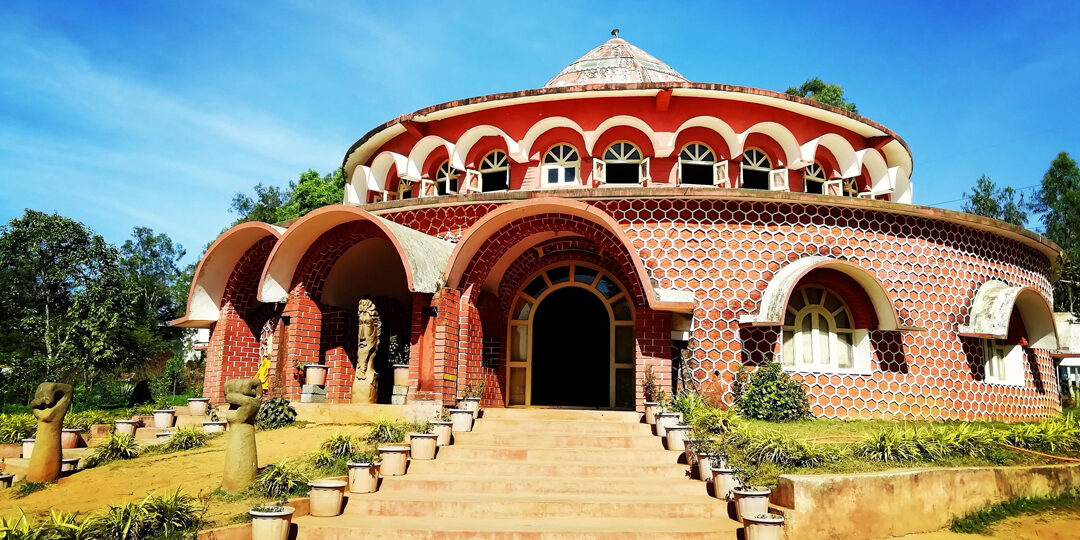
x,y
965,198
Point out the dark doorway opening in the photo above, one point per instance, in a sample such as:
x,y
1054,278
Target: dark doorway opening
x,y
571,358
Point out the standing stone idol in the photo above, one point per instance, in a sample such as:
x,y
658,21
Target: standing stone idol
x,y
365,385
241,459
50,404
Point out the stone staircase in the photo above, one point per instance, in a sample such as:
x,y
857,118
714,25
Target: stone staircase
x,y
538,473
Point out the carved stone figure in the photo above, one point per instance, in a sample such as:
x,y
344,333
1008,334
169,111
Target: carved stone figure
x,y
50,404
365,383
241,459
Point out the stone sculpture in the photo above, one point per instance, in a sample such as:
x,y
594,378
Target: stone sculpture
x,y
365,383
50,404
241,459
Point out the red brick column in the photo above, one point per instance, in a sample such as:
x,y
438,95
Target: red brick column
x,y
652,337
446,344
304,339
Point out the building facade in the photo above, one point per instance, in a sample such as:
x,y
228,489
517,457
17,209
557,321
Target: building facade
x,y
558,243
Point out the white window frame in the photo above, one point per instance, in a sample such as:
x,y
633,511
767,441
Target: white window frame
x,y
860,338
814,172
443,174
760,162
699,154
562,165
624,158
404,184
489,165
1003,363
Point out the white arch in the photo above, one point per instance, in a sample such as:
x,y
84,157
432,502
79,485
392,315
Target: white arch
x,y
543,126
466,141
708,122
419,154
992,309
840,148
875,166
380,167
356,189
901,185
783,137
623,120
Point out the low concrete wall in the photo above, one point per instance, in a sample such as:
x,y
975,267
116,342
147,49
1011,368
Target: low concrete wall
x,y
877,505
348,413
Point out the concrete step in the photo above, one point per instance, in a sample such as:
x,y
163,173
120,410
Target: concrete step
x,y
600,471
482,437
588,415
551,506
490,424
455,483
351,526
469,452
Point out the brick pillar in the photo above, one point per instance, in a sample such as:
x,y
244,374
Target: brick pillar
x,y
305,320
422,348
213,384
652,347
446,344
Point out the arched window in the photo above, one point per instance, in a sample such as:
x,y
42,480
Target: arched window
x,y
755,169
446,179
622,161
814,179
851,187
495,171
561,165
404,189
696,165
818,333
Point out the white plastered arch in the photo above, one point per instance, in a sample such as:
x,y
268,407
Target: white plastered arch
x,y
992,308
774,300
734,146
543,126
623,120
875,167
380,167
418,155
468,139
783,137
840,148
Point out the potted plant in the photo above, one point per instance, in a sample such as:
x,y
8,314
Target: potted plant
x,y
127,427
708,452
399,360
665,420
325,497
197,406
675,436
363,472
271,522
69,437
650,412
766,526
749,499
315,374
651,390
462,420
442,428
389,434
214,423
164,414
470,397
422,442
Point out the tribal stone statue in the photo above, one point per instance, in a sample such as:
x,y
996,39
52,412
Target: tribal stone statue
x,y
50,404
365,383
241,458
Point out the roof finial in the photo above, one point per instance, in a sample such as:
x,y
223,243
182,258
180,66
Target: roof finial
x,y
615,32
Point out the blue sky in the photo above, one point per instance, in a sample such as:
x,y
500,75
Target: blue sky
x,y
155,113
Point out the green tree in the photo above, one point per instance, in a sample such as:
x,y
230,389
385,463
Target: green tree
x,y
1058,207
986,199
272,204
829,94
64,304
151,265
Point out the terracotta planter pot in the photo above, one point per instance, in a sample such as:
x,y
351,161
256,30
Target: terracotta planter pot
x,y
214,427
401,374
27,448
6,480
198,406
422,445
462,420
363,477
764,526
326,497
442,431
316,374
163,418
723,481
394,460
69,438
675,436
271,525
126,427
751,501
704,465
471,404
69,464
650,412
663,420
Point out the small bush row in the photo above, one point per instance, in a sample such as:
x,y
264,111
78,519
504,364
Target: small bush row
x,y
156,516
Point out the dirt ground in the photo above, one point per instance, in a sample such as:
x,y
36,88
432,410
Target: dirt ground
x,y
194,470
1063,525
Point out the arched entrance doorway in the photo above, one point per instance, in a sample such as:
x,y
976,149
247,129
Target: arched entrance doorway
x,y
571,340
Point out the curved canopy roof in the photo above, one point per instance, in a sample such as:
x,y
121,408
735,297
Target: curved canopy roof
x,y
614,62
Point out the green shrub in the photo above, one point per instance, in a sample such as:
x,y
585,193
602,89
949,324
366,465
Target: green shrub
x,y
115,446
769,394
419,427
24,488
690,404
275,413
980,521
186,438
16,427
172,513
386,430
712,420
281,479
159,518
890,445
1052,436
784,450
340,445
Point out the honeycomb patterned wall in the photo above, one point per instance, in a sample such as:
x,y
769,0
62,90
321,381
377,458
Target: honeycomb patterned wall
x,y
725,252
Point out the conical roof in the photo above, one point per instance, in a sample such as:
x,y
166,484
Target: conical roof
x,y
615,62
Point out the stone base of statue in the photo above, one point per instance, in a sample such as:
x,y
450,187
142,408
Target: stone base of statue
x,y
399,395
364,391
312,393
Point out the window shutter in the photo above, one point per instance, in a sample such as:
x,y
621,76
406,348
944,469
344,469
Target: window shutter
x,y
778,180
678,173
598,171
834,187
645,171
473,182
428,188
720,174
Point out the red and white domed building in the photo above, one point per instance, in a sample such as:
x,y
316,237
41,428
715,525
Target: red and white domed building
x,y
555,243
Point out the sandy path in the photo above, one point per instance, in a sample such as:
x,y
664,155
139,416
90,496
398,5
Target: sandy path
x,y
193,470
1064,525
